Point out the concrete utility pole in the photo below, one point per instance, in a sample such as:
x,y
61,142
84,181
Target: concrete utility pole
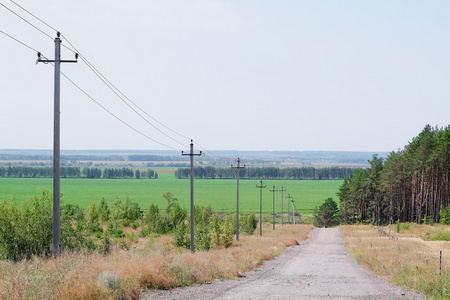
x,y
56,143
293,210
273,206
191,154
237,197
289,208
282,206
261,186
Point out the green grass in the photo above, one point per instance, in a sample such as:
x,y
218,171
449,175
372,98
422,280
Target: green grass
x,y
219,194
438,236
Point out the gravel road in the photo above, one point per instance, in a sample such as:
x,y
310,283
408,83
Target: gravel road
x,y
319,268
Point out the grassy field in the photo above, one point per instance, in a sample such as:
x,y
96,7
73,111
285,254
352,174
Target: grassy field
x,y
219,194
411,259
150,263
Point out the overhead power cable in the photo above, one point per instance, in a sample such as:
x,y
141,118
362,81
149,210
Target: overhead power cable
x,y
207,151
29,47
121,96
35,27
116,117
33,15
118,95
110,85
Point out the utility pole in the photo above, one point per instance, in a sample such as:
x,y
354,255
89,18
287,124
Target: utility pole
x,y
237,197
282,206
289,208
191,154
293,210
273,206
261,186
56,143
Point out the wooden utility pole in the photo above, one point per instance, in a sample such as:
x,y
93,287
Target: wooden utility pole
x,y
191,154
56,143
261,186
237,197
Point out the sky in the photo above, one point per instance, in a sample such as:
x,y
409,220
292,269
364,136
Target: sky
x,y
231,75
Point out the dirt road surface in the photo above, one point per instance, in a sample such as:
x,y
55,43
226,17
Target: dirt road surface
x,y
319,268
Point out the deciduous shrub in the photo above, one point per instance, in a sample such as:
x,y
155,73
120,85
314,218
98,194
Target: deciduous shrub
x,y
445,215
248,223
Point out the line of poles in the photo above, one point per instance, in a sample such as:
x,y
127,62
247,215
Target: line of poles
x,y
56,164
291,202
261,186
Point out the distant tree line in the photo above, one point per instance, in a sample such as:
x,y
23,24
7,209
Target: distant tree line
x,y
75,172
156,158
305,173
411,185
63,157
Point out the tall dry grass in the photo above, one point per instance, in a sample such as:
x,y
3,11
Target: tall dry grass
x,y
151,263
408,260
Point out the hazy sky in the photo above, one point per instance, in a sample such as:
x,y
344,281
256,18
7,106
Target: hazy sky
x,y
232,75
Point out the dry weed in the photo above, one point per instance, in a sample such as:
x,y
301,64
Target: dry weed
x,y
407,260
152,263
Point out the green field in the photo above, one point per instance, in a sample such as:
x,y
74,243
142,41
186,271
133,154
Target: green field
x,y
219,194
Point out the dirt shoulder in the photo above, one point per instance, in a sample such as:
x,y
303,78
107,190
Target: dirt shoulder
x,y
319,268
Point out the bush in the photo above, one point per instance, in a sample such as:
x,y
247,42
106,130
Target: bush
x,y
103,211
405,226
427,220
228,230
202,238
445,215
105,244
181,236
154,222
216,231
125,213
221,231
174,214
109,281
92,214
28,231
248,223
71,212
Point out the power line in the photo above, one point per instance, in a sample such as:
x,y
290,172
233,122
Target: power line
x,y
23,19
119,119
99,74
119,94
29,47
104,81
111,86
117,91
216,155
208,151
33,15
